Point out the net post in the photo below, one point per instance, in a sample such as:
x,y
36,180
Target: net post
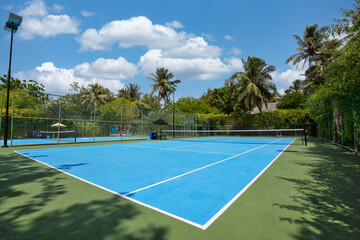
x,y
75,135
305,137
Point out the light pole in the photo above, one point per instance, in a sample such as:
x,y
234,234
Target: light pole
x,y
11,25
173,83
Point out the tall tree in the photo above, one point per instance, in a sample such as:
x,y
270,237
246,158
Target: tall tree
x,y
161,84
297,86
310,45
95,93
224,98
254,84
130,92
316,49
133,94
152,101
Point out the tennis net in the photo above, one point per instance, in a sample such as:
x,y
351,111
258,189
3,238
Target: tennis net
x,y
236,136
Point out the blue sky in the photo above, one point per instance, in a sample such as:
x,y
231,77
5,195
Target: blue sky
x,y
116,42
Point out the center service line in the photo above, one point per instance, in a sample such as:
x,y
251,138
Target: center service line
x,y
198,169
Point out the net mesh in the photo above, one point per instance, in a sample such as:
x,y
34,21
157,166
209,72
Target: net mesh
x,y
236,136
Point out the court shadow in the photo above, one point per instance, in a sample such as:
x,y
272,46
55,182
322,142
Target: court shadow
x,y
38,156
290,151
327,196
38,202
70,166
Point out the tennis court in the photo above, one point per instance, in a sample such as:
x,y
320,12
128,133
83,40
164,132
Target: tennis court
x,y
193,181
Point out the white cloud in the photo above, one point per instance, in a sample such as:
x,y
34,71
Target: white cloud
x,y
174,24
8,7
195,68
235,51
87,14
207,37
194,48
57,8
229,38
106,69
38,21
127,33
186,55
107,72
284,80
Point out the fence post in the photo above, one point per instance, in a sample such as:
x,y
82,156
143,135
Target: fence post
x,y
334,125
142,123
1,105
59,120
12,118
94,132
355,136
342,128
121,121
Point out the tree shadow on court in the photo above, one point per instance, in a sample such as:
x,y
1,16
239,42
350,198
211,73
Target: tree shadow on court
x,y
16,172
328,197
30,208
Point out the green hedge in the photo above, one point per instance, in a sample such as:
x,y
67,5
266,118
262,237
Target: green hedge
x,y
279,118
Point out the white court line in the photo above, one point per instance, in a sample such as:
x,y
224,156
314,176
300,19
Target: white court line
x,y
203,227
118,194
189,145
198,169
180,150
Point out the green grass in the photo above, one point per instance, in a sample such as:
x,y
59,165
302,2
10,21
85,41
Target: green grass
x,y
308,193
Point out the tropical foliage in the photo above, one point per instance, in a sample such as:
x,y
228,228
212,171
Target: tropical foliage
x,y
194,105
161,84
132,93
314,47
254,86
95,93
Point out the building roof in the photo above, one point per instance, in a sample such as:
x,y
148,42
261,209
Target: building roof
x,y
271,107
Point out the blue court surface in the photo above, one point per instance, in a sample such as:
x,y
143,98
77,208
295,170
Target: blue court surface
x,y
194,181
34,141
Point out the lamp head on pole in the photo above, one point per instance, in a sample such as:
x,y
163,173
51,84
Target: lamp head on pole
x,y
13,22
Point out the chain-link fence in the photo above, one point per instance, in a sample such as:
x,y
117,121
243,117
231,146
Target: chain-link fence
x,y
341,127
38,118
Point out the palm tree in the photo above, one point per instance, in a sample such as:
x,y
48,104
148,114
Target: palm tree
x,y
310,45
161,84
297,86
130,92
133,94
95,93
254,84
314,47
